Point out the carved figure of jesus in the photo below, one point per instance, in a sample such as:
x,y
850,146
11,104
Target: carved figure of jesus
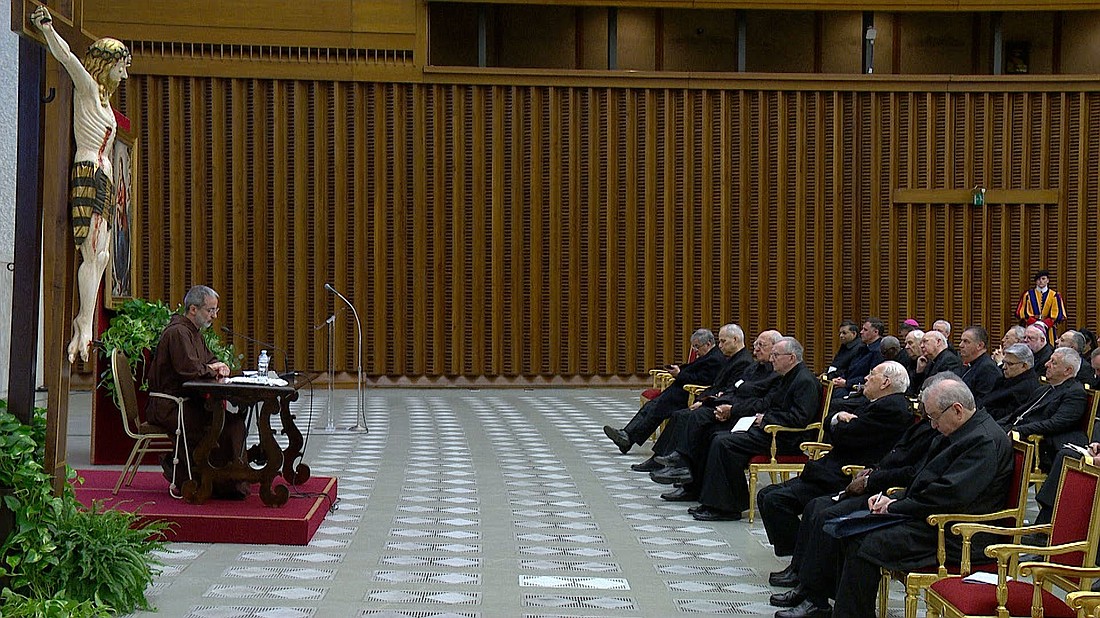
x,y
92,188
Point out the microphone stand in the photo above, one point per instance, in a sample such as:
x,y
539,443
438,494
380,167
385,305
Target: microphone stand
x,y
330,424
360,423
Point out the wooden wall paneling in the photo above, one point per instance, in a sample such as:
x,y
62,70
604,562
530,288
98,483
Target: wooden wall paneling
x,y
710,248
152,195
240,213
504,183
458,275
274,188
303,229
552,335
652,240
801,244
818,313
398,247
435,164
340,223
611,232
722,188
1088,286
479,296
320,248
692,260
199,233
743,149
632,232
420,338
516,250
217,166
379,350
528,335
179,209
593,235
271,232
779,207
838,297
573,335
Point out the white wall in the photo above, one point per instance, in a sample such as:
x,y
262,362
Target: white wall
x,y
9,90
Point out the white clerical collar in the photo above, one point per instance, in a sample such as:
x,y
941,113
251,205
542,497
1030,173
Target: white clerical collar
x,y
1042,290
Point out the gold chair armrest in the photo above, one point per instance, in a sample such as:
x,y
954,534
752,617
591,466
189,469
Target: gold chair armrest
x,y
852,470
815,450
944,518
695,389
1007,550
1083,601
972,529
774,429
1043,569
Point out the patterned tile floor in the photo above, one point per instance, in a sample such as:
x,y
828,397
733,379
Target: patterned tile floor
x,y
467,503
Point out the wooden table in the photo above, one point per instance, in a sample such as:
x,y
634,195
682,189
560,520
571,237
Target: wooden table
x,y
269,401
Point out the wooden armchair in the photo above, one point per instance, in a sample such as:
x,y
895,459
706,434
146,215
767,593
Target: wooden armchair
x,y
1012,513
783,467
1074,531
1087,421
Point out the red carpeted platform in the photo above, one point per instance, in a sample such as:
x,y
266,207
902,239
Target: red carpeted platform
x,y
217,521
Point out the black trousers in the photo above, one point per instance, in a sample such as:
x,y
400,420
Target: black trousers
x,y
781,505
724,486
818,556
650,416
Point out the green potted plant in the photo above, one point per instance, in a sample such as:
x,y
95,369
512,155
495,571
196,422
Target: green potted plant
x,y
60,559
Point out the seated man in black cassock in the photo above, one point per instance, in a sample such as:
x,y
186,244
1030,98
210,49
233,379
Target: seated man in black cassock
x,y
731,342
935,358
181,355
792,402
1035,337
967,469
703,370
1054,411
1016,384
858,437
978,370
682,447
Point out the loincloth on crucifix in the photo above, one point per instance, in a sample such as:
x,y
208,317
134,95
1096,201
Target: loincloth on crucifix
x,y
92,192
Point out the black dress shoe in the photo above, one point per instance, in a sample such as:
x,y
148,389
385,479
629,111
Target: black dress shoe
x,y
711,514
780,579
680,495
805,609
648,465
673,459
790,598
669,476
619,437
695,509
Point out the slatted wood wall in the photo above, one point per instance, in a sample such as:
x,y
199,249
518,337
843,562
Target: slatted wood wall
x,y
501,234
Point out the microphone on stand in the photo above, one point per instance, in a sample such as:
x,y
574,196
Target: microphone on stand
x,y
266,344
360,423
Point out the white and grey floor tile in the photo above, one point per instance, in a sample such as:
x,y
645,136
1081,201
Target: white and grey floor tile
x,y
477,504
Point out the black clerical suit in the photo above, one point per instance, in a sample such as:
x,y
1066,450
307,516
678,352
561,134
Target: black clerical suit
x,y
896,469
728,381
946,360
861,441
702,370
869,357
1010,393
1049,491
980,376
690,431
792,402
1054,412
968,471
842,362
1041,358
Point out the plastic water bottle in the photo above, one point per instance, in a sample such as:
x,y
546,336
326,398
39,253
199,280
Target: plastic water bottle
x,y
261,365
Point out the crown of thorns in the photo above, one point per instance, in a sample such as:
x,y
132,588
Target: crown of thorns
x,y
108,50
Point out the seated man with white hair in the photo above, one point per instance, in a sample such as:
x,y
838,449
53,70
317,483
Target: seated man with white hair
x,y
1035,336
934,358
1016,384
1054,411
859,437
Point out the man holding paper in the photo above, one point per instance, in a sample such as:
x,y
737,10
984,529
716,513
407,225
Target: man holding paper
x,y
793,402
